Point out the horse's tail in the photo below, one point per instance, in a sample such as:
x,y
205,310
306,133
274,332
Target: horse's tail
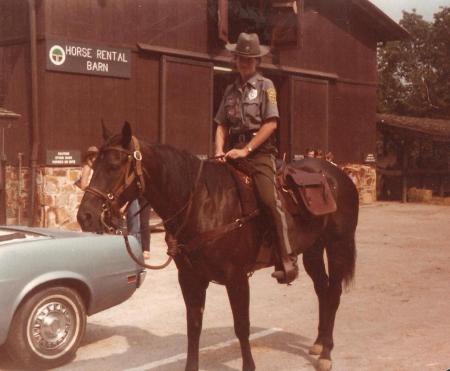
x,y
349,264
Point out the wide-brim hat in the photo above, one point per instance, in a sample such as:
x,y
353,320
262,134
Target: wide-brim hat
x,y
92,149
248,46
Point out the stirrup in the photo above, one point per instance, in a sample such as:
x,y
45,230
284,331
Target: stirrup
x,y
285,277
289,271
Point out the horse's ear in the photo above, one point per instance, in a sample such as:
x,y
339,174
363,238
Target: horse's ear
x,y
105,132
126,134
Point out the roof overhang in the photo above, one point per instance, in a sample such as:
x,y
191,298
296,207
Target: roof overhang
x,y
436,129
386,28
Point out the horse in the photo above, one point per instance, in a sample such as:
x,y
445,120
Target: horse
x,y
193,197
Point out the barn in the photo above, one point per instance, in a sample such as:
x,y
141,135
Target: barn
x,y
162,65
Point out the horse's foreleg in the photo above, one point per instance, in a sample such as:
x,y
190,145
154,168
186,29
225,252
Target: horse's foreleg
x,y
239,295
194,294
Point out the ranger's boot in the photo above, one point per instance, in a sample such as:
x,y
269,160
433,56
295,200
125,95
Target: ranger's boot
x,y
289,270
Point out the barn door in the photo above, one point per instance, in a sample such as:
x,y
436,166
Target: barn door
x,y
186,105
309,115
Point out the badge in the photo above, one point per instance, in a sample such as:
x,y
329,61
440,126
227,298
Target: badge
x,y
272,95
252,94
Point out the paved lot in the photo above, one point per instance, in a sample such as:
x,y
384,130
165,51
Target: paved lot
x,y
395,317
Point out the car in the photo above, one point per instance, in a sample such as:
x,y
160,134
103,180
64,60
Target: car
x,y
50,281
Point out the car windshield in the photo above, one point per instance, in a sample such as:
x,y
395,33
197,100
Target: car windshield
x,y
13,235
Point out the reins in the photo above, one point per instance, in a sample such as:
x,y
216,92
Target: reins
x,y
187,206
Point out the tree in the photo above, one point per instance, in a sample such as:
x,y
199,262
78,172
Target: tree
x,y
414,73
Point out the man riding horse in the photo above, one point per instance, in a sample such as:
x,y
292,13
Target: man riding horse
x,y
247,119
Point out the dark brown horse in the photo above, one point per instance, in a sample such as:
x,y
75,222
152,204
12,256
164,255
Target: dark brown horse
x,y
195,198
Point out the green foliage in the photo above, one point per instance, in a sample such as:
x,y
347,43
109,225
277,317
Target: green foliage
x,y
414,74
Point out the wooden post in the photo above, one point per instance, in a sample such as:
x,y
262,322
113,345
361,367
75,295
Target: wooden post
x,y
405,172
441,185
2,190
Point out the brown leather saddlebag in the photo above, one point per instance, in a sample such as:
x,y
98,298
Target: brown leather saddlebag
x,y
301,190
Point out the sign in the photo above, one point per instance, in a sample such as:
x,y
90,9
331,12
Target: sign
x,y
370,158
63,158
75,57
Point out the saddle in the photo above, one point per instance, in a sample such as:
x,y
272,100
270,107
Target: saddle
x,y
302,193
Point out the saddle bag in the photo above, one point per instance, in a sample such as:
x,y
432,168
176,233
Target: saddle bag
x,y
302,191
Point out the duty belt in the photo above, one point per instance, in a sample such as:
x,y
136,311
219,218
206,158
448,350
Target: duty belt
x,y
242,137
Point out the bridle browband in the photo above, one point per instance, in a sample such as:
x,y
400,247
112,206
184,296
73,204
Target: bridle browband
x,y
132,172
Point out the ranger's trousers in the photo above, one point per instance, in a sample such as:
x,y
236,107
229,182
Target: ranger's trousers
x,y
264,178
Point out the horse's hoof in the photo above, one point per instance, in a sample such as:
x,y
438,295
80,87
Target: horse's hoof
x,y
324,364
315,349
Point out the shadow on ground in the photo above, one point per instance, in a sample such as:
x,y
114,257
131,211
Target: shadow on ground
x,y
143,348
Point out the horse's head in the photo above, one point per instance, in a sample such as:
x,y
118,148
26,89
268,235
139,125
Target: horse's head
x,y
117,179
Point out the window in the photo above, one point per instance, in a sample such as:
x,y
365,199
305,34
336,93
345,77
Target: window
x,y
275,21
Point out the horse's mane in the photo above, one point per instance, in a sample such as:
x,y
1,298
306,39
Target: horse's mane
x,y
184,166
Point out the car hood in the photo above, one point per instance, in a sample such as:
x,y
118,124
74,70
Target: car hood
x,y
12,234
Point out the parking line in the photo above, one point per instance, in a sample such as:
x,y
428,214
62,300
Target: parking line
x,y
183,356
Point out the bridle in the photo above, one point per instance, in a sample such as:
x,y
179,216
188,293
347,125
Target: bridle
x,y
132,172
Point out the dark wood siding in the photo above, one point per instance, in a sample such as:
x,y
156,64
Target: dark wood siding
x,y
351,130
309,115
74,105
186,111
14,76
338,44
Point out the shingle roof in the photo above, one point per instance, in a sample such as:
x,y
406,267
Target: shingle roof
x,y
434,127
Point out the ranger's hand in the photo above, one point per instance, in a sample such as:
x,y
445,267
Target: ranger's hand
x,y
219,156
237,153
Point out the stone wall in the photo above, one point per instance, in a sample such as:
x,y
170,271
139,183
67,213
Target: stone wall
x,y
365,179
57,198
17,204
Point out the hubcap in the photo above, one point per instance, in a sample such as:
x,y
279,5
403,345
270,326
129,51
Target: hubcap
x,y
52,327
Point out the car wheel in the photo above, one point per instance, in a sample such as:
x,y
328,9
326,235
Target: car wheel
x,y
47,328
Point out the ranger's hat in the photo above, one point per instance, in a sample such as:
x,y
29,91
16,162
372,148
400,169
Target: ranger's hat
x,y
92,149
248,46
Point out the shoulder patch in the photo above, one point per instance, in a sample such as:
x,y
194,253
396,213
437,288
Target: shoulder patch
x,y
272,95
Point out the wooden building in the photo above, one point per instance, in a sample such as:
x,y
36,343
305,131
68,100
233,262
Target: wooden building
x,y
413,153
161,64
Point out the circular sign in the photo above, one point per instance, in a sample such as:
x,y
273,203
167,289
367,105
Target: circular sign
x,y
57,55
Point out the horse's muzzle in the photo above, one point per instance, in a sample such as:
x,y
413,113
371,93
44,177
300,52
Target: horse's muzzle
x,y
85,219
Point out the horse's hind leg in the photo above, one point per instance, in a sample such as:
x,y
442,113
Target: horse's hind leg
x,y
313,262
194,294
239,295
340,255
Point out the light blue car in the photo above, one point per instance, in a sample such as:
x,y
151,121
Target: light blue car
x,y
50,281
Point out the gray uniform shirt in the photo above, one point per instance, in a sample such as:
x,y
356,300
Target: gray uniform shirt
x,y
248,107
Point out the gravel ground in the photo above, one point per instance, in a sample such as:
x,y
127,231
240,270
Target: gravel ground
x,y
394,317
